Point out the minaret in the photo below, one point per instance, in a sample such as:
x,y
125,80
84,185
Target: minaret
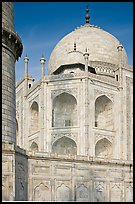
x,y
26,60
86,56
11,50
120,52
42,61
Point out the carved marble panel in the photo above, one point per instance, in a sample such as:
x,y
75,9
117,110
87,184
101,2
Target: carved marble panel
x,y
63,171
42,169
99,191
129,193
21,179
42,193
4,193
82,193
115,192
63,193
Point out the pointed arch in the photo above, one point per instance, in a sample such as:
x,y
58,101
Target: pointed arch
x,y
103,148
34,109
64,145
42,193
63,193
34,147
64,111
82,193
104,113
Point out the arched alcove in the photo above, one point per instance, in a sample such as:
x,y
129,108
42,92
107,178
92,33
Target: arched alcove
x,y
63,193
64,145
103,148
42,193
82,194
64,112
34,117
103,113
34,147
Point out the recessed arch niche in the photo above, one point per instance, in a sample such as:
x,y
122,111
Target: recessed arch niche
x,y
64,111
64,145
34,117
104,113
34,147
103,148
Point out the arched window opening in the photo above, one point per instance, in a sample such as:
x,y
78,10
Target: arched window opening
x,y
64,145
34,147
64,112
103,148
103,113
34,117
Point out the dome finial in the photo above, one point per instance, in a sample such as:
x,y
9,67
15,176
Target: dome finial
x,y
87,14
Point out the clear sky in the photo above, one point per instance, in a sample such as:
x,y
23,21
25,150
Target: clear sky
x,y
41,25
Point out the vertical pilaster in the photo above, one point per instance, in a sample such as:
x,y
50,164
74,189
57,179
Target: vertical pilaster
x,y
42,118
86,105
11,51
123,139
26,60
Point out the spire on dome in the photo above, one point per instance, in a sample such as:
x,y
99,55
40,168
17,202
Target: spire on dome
x,y
87,15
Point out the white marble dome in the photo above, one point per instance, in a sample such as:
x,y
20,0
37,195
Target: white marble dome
x,y
101,46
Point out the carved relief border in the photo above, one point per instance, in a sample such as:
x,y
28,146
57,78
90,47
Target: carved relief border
x,y
98,93
41,190
115,192
56,136
35,99
99,191
128,192
72,91
82,191
101,136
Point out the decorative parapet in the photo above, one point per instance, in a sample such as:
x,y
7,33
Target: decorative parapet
x,y
78,158
104,68
12,42
70,76
87,25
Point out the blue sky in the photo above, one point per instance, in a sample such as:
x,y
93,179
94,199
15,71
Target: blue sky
x,y
41,25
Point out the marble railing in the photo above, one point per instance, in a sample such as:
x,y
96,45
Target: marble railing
x,y
70,76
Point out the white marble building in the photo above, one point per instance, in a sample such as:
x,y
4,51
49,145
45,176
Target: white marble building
x,y
74,135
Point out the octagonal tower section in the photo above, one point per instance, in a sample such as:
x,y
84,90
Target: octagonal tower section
x,y
11,50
